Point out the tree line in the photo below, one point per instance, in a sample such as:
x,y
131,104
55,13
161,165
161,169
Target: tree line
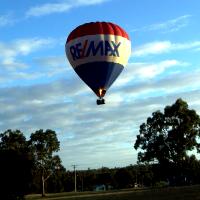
x,y
164,140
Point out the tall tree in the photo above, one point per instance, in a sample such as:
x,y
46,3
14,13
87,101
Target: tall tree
x,y
16,164
44,144
166,137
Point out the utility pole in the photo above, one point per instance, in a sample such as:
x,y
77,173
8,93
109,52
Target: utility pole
x,y
74,166
82,181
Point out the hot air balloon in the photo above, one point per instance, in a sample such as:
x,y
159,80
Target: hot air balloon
x,y
98,52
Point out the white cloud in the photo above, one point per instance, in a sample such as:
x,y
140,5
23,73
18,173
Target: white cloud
x,y
17,70
52,61
23,46
49,8
10,51
182,46
146,71
159,47
152,48
6,20
60,7
169,25
172,84
26,46
53,65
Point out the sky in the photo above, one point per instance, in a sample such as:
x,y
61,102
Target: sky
x,y
40,90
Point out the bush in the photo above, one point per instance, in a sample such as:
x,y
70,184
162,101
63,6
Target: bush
x,y
161,184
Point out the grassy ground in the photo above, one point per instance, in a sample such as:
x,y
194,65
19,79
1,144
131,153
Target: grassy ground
x,y
176,193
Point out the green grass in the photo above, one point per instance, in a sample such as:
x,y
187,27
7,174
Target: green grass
x,y
176,193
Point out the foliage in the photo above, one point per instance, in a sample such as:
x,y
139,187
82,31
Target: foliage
x,y
16,163
161,184
43,144
166,137
123,178
23,163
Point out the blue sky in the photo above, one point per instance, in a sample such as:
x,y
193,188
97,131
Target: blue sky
x,y
40,90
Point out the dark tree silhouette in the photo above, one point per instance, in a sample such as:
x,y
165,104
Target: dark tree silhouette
x,y
123,178
166,137
15,165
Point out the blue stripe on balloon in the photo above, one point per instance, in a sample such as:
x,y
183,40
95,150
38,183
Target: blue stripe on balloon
x,y
99,74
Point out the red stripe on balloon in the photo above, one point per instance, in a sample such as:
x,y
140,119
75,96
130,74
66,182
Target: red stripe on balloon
x,y
95,28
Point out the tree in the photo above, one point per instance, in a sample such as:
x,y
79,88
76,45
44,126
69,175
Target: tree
x,y
16,164
57,181
167,137
43,145
123,178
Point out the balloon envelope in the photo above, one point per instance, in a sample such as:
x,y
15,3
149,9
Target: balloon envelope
x,y
98,52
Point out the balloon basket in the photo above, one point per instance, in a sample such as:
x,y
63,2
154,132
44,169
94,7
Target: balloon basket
x,y
100,101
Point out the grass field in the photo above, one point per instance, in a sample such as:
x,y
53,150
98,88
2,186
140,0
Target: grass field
x,y
176,193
